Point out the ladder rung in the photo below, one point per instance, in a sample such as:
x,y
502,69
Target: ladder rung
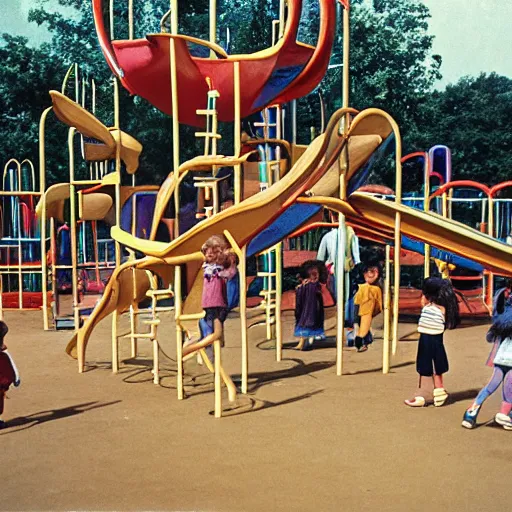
x,y
146,335
208,134
206,112
263,274
152,322
163,309
193,316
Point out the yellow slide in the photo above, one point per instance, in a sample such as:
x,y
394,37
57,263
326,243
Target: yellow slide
x,y
426,227
243,221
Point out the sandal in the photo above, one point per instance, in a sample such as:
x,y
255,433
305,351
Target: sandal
x,y
440,397
417,401
364,348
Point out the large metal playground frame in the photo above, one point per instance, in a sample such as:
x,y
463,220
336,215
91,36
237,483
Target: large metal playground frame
x,y
138,275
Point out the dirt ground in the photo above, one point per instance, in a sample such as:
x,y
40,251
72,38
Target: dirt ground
x,y
303,439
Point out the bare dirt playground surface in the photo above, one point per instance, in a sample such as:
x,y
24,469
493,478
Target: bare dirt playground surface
x,y
303,439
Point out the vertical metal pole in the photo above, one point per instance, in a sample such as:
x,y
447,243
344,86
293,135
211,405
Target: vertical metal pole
x,y
340,294
426,208
72,207
387,301
281,17
111,13
175,113
42,220
242,274
238,129
178,304
217,378
279,293
346,57
213,25
130,20
490,227
398,238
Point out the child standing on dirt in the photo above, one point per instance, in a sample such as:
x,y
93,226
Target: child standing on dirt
x,y
309,304
368,304
440,311
8,371
500,358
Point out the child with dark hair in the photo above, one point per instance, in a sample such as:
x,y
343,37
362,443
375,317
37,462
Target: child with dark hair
x,y
8,371
368,304
440,311
309,304
500,358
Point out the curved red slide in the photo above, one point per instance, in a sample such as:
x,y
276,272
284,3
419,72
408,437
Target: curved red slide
x,y
283,72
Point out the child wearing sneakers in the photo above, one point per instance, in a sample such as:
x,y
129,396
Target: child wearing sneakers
x,y
8,371
440,311
500,358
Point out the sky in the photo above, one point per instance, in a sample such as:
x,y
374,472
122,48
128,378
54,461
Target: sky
x,y
470,36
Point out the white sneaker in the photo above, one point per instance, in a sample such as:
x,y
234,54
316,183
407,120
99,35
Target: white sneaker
x,y
503,420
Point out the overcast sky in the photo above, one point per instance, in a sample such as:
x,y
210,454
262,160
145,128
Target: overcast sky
x,y
470,36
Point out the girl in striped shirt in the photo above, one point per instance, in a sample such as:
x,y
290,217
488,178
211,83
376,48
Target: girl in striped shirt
x,y
440,311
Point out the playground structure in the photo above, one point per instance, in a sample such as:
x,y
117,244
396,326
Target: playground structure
x,y
281,195
20,258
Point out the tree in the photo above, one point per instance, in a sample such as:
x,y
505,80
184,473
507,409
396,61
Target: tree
x,y
472,117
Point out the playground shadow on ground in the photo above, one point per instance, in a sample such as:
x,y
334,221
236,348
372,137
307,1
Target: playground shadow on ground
x,y
26,422
247,404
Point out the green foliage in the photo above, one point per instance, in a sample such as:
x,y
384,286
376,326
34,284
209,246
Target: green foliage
x,y
472,117
391,67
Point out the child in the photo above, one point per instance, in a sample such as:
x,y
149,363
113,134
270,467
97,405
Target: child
x,y
8,371
309,304
219,266
368,304
440,311
500,358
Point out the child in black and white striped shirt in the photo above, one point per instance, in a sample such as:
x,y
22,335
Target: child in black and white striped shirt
x,y
440,311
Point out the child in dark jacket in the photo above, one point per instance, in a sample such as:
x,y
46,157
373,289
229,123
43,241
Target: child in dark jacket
x,y
309,304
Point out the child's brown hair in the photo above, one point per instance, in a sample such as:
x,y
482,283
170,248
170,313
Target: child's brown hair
x,y
214,241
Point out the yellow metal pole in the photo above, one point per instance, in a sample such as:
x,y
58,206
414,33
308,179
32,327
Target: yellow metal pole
x,y
398,235
130,19
346,57
72,208
238,129
42,220
217,378
340,279
242,273
178,304
213,25
340,263
66,78
118,169
175,112
279,292
281,17
77,87
387,301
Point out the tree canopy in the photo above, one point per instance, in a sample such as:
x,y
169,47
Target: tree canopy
x,y
392,66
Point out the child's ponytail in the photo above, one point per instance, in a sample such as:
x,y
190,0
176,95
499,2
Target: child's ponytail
x,y
440,291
